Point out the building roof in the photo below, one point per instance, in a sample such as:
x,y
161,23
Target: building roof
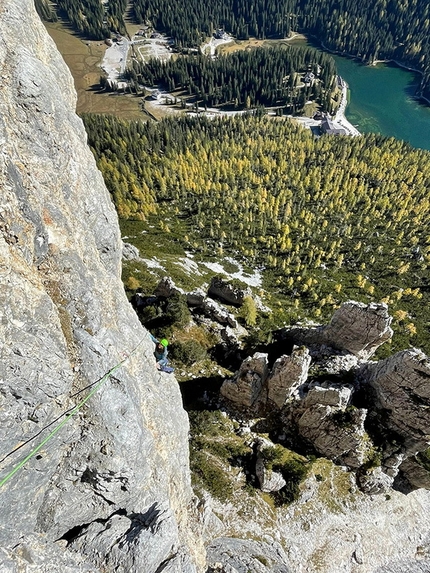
x,y
327,126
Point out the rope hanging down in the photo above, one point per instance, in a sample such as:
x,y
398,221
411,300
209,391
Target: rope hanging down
x,y
67,418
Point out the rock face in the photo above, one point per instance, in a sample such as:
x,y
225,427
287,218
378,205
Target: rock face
x,y
416,474
333,429
355,328
401,389
227,555
288,373
113,483
244,389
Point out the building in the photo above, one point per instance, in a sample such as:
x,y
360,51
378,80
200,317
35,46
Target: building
x,y
328,127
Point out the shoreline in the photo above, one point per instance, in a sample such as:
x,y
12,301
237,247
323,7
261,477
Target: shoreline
x,y
340,118
375,62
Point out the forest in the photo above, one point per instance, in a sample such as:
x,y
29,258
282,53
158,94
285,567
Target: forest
x,y
232,78
370,30
326,219
91,18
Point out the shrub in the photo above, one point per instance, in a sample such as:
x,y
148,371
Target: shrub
x,y
177,311
294,469
423,459
248,311
187,352
132,283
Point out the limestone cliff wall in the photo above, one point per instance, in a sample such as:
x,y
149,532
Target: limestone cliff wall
x,y
113,484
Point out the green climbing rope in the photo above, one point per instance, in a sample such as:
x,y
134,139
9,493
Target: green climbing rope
x,y
67,418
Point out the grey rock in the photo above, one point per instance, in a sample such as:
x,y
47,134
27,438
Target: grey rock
x,y
229,336
416,474
216,312
334,432
409,566
401,391
195,298
359,328
288,373
374,481
34,553
65,324
328,395
130,543
355,328
225,291
243,390
166,288
269,480
227,555
130,252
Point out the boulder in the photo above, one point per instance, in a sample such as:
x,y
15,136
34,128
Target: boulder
x,y
288,373
359,328
374,481
216,312
355,328
130,252
196,298
243,390
269,480
335,395
228,335
166,288
335,431
227,292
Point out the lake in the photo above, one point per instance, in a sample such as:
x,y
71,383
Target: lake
x,y
381,99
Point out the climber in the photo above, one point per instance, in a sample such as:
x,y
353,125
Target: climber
x,y
160,352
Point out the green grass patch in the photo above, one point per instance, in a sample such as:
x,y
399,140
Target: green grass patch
x,y
293,467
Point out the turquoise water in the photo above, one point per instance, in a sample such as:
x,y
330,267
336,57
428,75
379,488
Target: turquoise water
x,y
381,100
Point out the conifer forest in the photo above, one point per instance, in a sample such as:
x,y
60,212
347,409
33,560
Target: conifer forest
x,y
233,77
370,30
326,219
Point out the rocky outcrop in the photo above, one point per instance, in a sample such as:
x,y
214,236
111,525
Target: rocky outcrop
x,y
227,292
196,300
112,485
244,389
216,312
256,389
416,473
167,288
287,375
374,481
130,252
333,429
359,328
401,391
355,328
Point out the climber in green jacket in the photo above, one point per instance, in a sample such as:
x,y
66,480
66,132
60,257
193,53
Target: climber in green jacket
x,y
160,351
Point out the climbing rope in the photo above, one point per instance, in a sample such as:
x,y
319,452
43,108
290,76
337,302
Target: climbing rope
x,y
72,412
